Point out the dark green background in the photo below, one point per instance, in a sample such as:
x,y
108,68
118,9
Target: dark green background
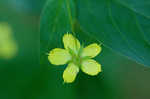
x,y
24,78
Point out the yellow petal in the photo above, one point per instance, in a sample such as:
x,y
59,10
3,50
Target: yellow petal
x,y
91,50
71,42
91,67
70,73
59,56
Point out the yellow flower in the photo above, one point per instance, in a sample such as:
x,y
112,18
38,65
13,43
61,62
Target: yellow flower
x,y
77,58
8,46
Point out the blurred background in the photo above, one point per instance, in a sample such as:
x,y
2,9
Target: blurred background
x,y
21,76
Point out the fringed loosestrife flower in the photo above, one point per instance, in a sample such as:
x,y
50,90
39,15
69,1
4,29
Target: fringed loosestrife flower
x,y
77,58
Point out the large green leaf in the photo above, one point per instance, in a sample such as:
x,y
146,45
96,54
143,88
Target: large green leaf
x,y
122,25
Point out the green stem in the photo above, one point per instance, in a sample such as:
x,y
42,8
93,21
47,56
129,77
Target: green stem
x,y
70,16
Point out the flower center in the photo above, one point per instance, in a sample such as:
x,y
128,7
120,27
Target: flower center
x,y
76,60
76,56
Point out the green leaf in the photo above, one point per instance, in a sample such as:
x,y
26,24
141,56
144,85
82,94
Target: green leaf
x,y
121,25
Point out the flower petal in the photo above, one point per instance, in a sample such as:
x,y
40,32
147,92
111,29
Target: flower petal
x,y
91,67
70,73
59,56
71,42
91,50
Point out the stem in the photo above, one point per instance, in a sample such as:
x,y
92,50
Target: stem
x,y
70,16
